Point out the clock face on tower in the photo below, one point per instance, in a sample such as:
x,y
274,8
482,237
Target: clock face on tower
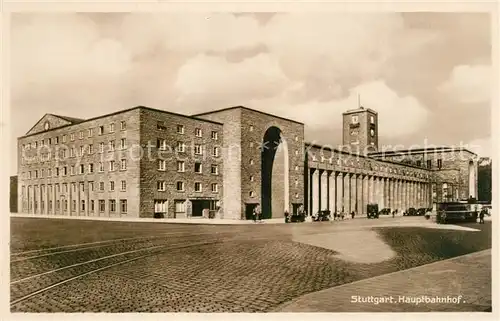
x,y
372,132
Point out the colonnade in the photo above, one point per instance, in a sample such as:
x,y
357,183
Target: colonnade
x,y
351,192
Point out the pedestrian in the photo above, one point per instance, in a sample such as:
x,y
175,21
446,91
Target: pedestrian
x,y
353,214
481,217
335,215
256,212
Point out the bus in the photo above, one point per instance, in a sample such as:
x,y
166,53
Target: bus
x,y
460,211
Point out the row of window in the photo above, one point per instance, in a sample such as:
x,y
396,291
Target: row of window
x,y
65,189
161,125
64,203
81,134
181,167
180,186
74,170
162,145
355,119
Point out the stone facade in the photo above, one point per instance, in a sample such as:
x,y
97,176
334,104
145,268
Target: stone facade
x,y
144,162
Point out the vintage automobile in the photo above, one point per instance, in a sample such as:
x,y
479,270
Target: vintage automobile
x,y
322,216
385,211
410,212
456,212
421,211
295,217
372,211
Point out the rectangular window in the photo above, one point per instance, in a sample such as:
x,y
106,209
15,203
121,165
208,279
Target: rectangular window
x,y
419,163
82,205
42,143
354,119
42,172
102,206
180,206
101,167
91,186
160,125
82,187
101,130
91,132
82,169
50,141
180,166
64,138
112,186
214,135
82,150
439,163
92,206
162,186
124,185
429,163
65,187
72,170
180,186
180,129
111,166
123,164
91,149
162,165
198,168
161,206
57,140
111,145
215,188
123,125
197,187
72,136
112,127
72,152
197,149
214,169
123,143
215,152
73,206
65,170
49,172
198,132
123,206
81,135
161,144
91,168
58,205
101,147
101,186
181,147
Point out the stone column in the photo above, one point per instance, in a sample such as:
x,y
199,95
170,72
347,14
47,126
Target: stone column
x,y
40,198
387,192
352,196
346,200
380,192
309,192
315,192
365,194
371,185
359,194
331,191
324,189
403,195
340,191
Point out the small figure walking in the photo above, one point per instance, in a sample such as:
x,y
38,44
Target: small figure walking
x,y
256,213
353,214
481,216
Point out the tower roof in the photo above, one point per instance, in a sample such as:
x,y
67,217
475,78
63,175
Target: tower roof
x,y
358,110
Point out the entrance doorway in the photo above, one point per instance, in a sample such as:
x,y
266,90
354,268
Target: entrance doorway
x,y
274,174
203,207
295,207
249,207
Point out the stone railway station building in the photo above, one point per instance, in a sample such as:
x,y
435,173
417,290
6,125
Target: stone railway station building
x,y
144,162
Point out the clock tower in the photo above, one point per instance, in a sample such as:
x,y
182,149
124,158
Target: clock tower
x,y
360,130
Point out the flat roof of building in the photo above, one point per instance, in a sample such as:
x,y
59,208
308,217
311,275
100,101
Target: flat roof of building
x,y
363,156
360,109
247,108
77,121
420,151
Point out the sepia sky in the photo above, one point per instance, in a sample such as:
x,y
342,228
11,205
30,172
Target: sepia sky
x,y
426,74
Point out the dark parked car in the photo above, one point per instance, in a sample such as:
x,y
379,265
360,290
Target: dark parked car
x,y
385,211
421,211
456,211
322,216
295,218
372,210
411,212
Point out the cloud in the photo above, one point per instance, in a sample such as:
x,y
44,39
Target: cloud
x,y
469,84
208,79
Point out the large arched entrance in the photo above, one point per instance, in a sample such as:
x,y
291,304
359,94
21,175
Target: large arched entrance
x,y
274,174
472,180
